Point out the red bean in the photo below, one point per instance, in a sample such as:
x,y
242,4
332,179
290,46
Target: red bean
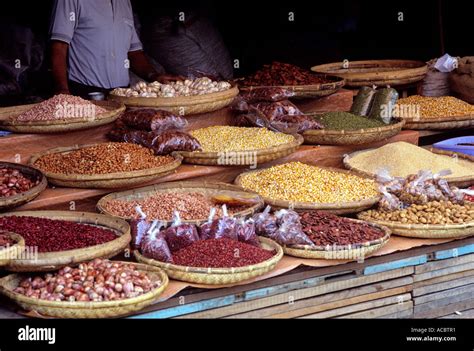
x,y
13,182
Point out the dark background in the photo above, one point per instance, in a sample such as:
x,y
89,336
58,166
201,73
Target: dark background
x,y
259,32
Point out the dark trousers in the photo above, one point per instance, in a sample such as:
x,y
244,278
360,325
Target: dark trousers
x,y
83,91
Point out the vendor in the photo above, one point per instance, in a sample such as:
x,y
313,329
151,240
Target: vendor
x,y
94,44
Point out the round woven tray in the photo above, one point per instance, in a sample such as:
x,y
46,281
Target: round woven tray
x,y
335,208
13,251
184,105
460,182
182,187
104,181
8,122
348,252
51,261
453,122
352,137
309,91
242,158
106,309
376,72
8,203
218,276
425,231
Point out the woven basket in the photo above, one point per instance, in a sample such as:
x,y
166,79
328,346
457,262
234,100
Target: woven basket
x,y
334,208
104,181
309,91
262,155
13,251
8,122
461,182
51,261
445,123
425,231
184,187
218,276
184,105
376,72
352,137
8,203
106,309
349,252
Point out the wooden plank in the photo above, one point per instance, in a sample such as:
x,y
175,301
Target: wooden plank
x,y
445,254
337,312
405,309
443,294
443,286
296,295
443,308
445,271
443,279
408,262
406,314
437,265
338,299
469,314
398,293
441,302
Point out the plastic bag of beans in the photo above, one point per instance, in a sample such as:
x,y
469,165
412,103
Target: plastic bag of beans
x,y
270,110
266,94
155,246
153,120
389,202
292,234
246,232
224,227
265,223
392,184
139,228
205,230
287,216
298,123
180,235
170,141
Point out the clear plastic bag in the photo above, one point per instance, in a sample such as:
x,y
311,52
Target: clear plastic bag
x,y
389,202
170,141
180,235
153,120
265,223
139,228
205,230
393,185
287,216
271,110
224,227
155,246
246,232
292,234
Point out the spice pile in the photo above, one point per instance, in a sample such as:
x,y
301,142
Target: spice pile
x,y
298,182
283,74
161,206
436,212
56,235
5,240
434,107
402,159
327,229
96,281
347,121
188,87
61,107
102,159
228,139
13,182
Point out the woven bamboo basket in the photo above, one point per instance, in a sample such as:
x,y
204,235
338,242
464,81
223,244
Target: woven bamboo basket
x,y
104,181
460,182
242,158
184,105
348,252
205,188
425,231
334,208
376,72
309,91
75,310
8,203
51,261
352,137
445,123
9,253
218,276
8,121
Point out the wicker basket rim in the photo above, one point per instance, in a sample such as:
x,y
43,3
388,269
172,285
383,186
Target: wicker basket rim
x,y
98,177
400,123
224,271
299,140
17,297
396,225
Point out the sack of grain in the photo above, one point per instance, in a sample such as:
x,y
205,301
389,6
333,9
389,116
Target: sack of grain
x,y
436,83
462,80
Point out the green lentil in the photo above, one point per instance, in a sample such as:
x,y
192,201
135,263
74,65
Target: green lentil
x,y
347,121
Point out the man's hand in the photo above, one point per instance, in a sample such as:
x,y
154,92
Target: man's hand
x,y
166,78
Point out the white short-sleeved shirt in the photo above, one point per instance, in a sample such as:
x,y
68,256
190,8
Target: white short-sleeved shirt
x,y
100,33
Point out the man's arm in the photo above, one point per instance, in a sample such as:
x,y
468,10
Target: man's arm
x,y
142,67
59,51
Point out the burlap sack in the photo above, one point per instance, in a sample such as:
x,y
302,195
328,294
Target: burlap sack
x,y
462,80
